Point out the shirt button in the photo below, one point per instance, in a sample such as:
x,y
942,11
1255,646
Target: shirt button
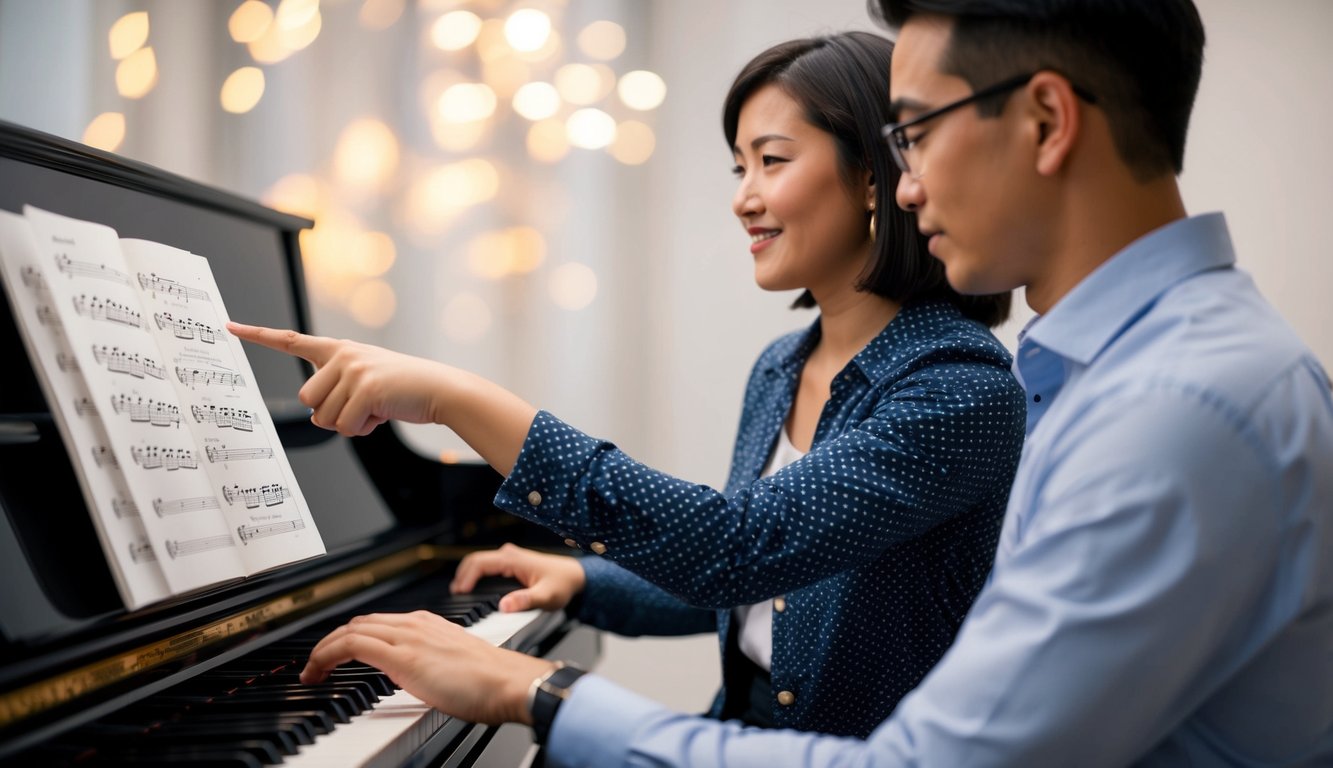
x,y
571,543
779,604
786,698
598,547
534,498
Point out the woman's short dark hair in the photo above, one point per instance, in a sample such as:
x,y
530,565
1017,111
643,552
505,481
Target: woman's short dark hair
x,y
842,83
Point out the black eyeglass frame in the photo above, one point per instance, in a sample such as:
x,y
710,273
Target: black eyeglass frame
x,y
897,140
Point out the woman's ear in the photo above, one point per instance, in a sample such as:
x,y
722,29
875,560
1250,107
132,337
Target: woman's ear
x,y
870,191
1057,120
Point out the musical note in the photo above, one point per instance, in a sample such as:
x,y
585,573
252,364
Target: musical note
x,y
223,453
67,363
47,315
142,552
185,328
124,508
83,406
32,278
194,376
105,309
237,418
268,495
103,457
117,361
157,413
153,457
88,269
248,532
177,506
177,548
158,285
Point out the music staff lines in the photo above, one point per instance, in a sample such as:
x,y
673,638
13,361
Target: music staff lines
x,y
268,495
186,328
107,310
166,507
118,361
224,418
142,552
154,457
154,412
194,377
261,530
103,457
186,547
221,453
124,508
152,282
74,268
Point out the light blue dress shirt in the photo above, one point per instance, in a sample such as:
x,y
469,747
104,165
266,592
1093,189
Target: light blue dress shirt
x,y
1163,589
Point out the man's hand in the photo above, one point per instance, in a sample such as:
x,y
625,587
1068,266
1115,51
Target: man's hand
x,y
549,581
436,661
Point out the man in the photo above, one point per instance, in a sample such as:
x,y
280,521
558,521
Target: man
x,y
1163,589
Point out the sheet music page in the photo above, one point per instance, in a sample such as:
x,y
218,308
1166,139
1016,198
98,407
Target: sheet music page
x,y
237,443
116,517
94,293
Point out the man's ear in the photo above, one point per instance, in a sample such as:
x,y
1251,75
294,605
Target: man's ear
x,y
1057,119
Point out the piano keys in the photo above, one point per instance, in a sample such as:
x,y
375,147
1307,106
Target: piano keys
x,y
210,678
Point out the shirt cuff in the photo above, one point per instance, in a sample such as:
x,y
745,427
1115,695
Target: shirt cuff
x,y
598,722
545,476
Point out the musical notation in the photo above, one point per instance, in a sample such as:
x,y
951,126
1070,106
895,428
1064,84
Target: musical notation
x,y
177,506
177,548
118,361
89,269
142,553
153,457
32,278
248,532
67,363
84,406
185,328
268,495
237,418
103,457
151,282
47,315
156,413
194,377
108,310
124,508
223,453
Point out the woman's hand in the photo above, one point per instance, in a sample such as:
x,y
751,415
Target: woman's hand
x,y
435,660
357,387
549,581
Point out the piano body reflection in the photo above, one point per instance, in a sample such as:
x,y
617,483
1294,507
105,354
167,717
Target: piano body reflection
x,y
210,678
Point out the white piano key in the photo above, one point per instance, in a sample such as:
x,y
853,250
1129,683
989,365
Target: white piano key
x,y
398,725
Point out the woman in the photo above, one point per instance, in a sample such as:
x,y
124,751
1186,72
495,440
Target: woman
x,y
875,448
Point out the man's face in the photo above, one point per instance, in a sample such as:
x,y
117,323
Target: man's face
x,y
974,195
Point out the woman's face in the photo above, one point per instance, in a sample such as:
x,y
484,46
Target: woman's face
x,y
807,228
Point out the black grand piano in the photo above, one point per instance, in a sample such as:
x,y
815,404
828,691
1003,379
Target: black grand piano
x,y
210,679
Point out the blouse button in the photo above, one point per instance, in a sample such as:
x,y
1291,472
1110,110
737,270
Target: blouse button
x,y
571,543
779,604
598,547
786,698
534,498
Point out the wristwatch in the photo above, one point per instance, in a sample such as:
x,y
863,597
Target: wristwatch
x,y
547,693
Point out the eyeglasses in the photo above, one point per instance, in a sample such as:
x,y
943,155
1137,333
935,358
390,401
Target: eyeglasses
x,y
903,149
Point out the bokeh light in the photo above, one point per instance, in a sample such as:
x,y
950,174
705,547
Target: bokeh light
x,y
250,21
602,40
137,74
590,128
527,29
455,30
641,89
380,14
536,101
106,131
242,90
128,34
366,155
572,286
634,143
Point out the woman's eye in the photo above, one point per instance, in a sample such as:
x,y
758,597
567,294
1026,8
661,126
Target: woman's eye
x,y
772,159
737,171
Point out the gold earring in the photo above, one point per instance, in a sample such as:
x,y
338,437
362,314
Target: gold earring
x,y
872,225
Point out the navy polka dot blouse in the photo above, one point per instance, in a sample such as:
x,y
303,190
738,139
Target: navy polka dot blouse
x,y
877,540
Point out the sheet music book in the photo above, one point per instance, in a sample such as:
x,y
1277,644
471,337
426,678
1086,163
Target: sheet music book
x,y
179,460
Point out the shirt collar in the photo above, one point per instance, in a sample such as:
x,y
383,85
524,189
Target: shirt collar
x,y
1086,319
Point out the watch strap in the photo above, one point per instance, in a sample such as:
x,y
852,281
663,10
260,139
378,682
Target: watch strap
x,y
546,695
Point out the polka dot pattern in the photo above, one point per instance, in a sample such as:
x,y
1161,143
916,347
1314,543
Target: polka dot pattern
x,y
879,538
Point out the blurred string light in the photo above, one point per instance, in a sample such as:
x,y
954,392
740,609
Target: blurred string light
x,y
503,62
